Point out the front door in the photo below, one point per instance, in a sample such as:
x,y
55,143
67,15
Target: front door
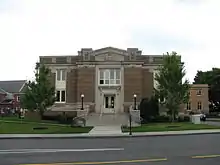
x,y
109,103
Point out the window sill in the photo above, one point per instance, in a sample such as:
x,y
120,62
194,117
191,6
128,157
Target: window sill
x,y
57,102
109,84
60,80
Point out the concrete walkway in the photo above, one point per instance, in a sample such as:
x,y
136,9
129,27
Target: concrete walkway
x,y
106,130
108,135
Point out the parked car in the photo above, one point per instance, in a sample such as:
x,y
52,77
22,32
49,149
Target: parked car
x,y
202,117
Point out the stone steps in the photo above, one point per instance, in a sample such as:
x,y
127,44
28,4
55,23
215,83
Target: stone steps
x,y
106,119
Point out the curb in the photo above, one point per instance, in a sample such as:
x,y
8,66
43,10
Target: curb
x,y
103,136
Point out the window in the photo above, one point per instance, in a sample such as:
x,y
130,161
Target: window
x,y
61,74
199,105
199,92
188,106
18,98
109,77
161,99
61,96
101,77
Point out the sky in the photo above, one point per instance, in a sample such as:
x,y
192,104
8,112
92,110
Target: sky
x,y
33,28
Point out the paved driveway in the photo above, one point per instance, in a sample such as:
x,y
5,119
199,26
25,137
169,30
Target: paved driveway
x,y
216,123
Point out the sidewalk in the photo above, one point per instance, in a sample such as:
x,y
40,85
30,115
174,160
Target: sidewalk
x,y
106,130
116,135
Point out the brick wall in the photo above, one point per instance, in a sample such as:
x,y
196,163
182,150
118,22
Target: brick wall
x,y
86,84
71,86
147,83
132,83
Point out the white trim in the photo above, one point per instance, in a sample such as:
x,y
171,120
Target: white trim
x,y
109,79
61,74
22,86
199,93
18,98
60,90
201,105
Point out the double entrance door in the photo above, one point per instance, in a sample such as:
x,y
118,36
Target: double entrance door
x,y
109,103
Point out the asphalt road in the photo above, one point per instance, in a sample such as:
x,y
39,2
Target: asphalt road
x,y
170,150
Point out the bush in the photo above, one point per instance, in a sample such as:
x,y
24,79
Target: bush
x,y
161,119
149,108
64,118
157,119
183,118
54,116
32,115
165,119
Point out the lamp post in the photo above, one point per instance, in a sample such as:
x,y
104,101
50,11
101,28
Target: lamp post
x,y
82,97
135,102
130,130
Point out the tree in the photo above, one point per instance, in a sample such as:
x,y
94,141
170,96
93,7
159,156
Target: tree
x,y
170,84
39,93
149,108
212,78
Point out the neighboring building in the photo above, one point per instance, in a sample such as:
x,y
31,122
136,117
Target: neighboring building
x,y
108,78
10,93
199,101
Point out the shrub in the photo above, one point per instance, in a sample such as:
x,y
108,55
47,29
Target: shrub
x,y
161,119
183,119
149,108
65,118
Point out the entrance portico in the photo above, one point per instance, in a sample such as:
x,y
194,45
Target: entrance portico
x,y
109,100
109,90
109,103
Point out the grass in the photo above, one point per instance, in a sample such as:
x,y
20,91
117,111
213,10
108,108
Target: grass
x,y
157,127
15,118
27,128
14,125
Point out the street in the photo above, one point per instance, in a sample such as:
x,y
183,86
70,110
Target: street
x,y
178,150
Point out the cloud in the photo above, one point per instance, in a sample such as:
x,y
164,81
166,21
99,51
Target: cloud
x,y
31,28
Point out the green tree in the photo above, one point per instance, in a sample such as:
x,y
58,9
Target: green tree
x,y
170,84
149,108
39,93
212,78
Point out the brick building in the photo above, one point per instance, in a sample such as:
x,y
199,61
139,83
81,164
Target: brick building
x,y
199,101
108,78
10,93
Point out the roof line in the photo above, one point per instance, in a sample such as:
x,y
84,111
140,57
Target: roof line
x,y
22,86
3,90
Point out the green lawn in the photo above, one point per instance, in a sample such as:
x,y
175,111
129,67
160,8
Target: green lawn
x,y
156,127
26,119
27,128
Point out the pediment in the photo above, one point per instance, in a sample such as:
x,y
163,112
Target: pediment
x,y
110,54
110,50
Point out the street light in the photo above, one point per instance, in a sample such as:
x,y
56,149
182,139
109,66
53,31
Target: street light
x,y
82,97
135,102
